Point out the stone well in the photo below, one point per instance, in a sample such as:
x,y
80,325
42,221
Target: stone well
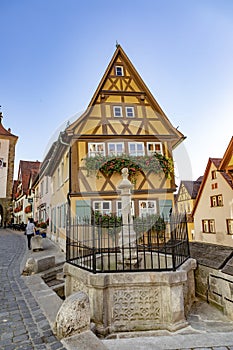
x,y
135,301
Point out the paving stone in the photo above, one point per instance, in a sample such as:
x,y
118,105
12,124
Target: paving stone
x,y
20,338
23,324
20,331
5,342
9,347
7,335
56,346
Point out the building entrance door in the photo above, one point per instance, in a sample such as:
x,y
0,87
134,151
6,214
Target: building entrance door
x,y
1,216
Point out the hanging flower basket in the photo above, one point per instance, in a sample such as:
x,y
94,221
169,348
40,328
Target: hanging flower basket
x,y
108,165
18,209
28,209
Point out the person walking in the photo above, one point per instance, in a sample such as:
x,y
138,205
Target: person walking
x,y
30,229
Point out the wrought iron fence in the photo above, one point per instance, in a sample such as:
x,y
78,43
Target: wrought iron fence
x,y
103,244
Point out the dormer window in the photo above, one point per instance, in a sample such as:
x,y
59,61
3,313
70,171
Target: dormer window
x,y
119,71
117,110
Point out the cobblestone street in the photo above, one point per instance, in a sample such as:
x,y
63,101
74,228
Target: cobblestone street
x,y
22,324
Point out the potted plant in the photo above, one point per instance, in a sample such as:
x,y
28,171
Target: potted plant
x,y
43,227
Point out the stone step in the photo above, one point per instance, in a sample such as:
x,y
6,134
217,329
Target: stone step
x,y
52,273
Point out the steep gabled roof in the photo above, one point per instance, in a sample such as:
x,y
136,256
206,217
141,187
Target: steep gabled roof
x,y
192,186
227,178
27,169
140,86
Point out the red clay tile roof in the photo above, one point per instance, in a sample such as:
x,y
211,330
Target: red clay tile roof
x,y
14,188
28,169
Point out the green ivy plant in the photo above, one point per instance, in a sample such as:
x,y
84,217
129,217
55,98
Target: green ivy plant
x,y
108,165
109,221
152,223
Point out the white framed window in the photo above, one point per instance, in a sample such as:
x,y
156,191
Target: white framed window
x,y
129,111
96,148
216,201
119,71
213,174
230,226
119,208
116,148
208,226
62,172
42,188
63,215
136,149
53,184
59,216
117,110
213,201
147,208
58,176
153,147
205,226
103,207
212,226
46,184
220,200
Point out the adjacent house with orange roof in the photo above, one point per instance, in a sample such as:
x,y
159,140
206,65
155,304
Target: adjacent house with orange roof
x,y
23,202
185,200
213,209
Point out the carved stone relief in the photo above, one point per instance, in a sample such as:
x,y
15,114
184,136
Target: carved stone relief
x,y
136,305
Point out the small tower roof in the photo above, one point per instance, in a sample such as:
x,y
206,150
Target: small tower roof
x,y
3,131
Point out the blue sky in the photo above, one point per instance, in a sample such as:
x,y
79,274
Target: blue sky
x,y
54,53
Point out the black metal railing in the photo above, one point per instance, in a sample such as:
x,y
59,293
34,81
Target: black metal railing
x,y
104,244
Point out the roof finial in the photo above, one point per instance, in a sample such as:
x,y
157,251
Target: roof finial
x,y
117,44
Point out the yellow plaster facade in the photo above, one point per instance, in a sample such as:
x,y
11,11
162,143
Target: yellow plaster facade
x,y
122,111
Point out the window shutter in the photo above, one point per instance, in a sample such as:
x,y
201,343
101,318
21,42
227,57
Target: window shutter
x,y
165,207
83,210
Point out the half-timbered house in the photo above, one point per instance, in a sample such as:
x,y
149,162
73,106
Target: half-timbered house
x,y
123,126
185,200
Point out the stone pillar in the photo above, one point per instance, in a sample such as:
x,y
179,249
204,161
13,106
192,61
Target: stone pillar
x,y
127,236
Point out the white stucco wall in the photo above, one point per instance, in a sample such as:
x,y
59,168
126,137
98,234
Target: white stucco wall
x,y
219,214
4,151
